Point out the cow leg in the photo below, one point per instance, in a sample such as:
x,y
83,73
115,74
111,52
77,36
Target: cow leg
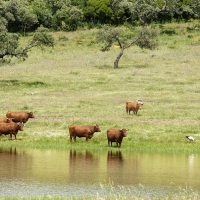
x,y
74,138
10,135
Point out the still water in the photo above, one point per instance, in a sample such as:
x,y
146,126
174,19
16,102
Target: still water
x,y
39,172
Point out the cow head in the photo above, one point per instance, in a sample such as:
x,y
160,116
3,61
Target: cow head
x,y
139,103
21,126
123,132
96,128
31,115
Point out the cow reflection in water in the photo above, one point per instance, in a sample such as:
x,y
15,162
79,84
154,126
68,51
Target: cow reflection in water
x,y
121,169
114,158
83,166
114,166
12,163
8,151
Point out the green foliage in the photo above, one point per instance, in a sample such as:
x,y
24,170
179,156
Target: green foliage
x,y
168,31
44,14
147,38
9,43
98,11
66,16
108,36
3,24
42,38
125,38
195,6
19,15
26,16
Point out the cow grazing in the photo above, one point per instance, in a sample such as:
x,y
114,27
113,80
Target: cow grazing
x,y
83,131
19,116
5,120
114,135
133,106
11,128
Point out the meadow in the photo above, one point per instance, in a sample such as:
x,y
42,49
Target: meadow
x,y
75,83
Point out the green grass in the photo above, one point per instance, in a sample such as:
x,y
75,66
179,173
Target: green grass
x,y
75,83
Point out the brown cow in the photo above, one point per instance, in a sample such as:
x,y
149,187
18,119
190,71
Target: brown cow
x,y
10,128
114,135
5,120
83,131
133,106
19,116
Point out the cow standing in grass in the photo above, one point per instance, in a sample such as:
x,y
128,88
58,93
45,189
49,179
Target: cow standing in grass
x,y
114,135
133,106
11,128
83,131
19,116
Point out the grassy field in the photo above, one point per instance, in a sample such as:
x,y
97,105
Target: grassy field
x,y
75,83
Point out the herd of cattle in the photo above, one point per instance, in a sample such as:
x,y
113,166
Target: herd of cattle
x,y
14,122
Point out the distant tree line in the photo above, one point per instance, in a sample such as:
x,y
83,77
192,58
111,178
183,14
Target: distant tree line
x,y
68,15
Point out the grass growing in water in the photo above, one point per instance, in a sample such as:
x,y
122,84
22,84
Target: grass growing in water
x,y
110,192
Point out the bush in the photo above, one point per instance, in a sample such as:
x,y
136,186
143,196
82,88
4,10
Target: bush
x,y
168,31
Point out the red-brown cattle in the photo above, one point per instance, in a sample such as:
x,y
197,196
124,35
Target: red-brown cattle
x,y
114,135
11,128
133,106
19,116
83,131
5,120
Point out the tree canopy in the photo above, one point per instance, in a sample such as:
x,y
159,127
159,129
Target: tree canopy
x,y
125,38
68,15
9,43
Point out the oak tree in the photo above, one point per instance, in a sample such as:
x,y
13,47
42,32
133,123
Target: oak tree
x,y
125,38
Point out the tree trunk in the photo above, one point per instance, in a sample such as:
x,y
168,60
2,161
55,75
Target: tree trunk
x,y
118,58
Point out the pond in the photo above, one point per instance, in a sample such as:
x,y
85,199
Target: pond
x,y
76,173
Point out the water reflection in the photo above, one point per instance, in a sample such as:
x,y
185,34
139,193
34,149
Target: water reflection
x,y
60,172
11,161
83,166
8,151
122,169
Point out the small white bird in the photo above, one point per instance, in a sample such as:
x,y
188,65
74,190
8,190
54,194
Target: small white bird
x,y
190,138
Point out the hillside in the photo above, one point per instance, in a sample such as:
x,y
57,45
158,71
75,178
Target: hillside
x,y
75,82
